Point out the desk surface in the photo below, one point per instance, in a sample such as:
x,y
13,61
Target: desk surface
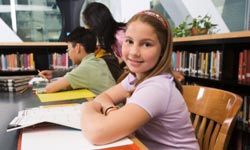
x,y
11,103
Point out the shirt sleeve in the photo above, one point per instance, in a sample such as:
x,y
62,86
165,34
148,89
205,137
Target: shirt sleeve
x,y
152,96
127,82
77,78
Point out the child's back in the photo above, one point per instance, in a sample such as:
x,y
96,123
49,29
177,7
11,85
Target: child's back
x,y
92,73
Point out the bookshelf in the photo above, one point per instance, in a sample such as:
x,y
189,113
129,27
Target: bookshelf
x,y
41,52
229,45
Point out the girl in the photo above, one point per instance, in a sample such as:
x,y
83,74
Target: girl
x,y
109,33
155,109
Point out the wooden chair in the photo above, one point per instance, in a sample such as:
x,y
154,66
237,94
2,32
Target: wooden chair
x,y
213,112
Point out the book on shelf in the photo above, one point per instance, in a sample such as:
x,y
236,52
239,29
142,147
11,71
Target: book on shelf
x,y
240,68
244,66
207,64
248,66
59,61
244,113
17,61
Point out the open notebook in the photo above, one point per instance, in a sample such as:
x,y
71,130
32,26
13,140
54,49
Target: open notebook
x,y
66,115
55,137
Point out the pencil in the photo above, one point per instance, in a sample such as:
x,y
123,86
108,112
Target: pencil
x,y
41,75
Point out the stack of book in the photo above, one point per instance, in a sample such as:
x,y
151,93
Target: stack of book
x,y
14,83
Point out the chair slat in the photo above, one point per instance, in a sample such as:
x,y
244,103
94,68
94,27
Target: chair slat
x,y
214,136
196,123
207,137
202,131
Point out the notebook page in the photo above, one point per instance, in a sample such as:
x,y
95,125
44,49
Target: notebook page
x,y
61,138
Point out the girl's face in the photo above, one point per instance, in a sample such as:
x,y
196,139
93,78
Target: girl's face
x,y
141,48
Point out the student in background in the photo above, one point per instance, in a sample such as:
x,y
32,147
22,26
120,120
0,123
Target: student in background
x,y
91,72
155,109
110,33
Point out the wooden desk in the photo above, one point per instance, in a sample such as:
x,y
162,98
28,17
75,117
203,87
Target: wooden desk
x,y
11,103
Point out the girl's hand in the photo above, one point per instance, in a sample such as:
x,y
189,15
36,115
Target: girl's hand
x,y
93,105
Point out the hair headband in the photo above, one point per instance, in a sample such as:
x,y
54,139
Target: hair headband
x,y
155,15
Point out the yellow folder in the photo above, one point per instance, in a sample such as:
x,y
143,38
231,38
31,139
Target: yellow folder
x,y
66,95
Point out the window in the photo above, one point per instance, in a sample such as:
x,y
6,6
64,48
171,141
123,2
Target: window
x,y
22,2
4,2
36,20
235,14
157,6
6,18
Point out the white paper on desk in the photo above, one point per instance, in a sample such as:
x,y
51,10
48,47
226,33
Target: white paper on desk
x,y
62,139
68,115
37,79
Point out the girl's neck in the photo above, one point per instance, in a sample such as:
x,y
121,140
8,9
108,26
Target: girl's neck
x,y
139,76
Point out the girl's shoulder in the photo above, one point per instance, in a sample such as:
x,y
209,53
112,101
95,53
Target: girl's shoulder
x,y
163,78
159,82
159,78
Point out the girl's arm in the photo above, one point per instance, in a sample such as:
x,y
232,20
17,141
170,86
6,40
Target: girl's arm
x,y
101,129
112,96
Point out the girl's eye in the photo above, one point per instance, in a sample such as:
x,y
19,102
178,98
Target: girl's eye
x,y
147,44
128,41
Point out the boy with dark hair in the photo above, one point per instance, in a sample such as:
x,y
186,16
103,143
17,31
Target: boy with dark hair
x,y
91,73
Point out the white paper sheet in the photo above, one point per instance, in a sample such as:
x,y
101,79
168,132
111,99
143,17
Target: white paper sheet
x,y
61,138
62,115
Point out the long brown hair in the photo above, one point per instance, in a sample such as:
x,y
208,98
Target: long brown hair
x,y
164,34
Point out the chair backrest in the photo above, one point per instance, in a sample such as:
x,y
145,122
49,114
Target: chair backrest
x,y
213,113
